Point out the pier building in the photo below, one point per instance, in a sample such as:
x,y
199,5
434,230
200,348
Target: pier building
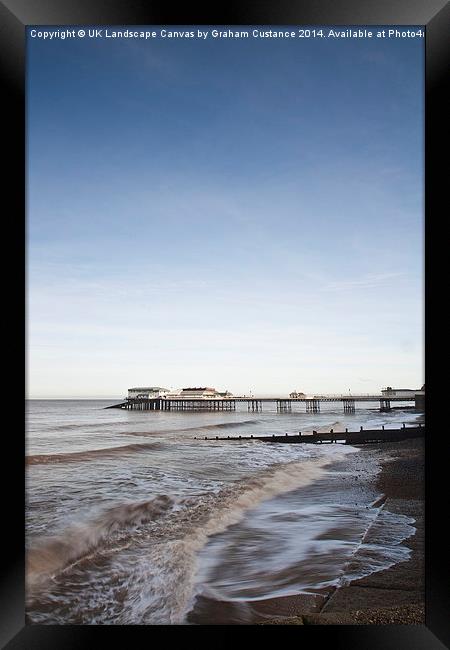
x,y
147,392
399,392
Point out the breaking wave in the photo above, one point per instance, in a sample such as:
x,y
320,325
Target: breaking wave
x,y
220,425
55,553
91,454
175,560
155,544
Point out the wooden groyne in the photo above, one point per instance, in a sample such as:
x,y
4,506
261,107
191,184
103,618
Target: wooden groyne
x,y
363,436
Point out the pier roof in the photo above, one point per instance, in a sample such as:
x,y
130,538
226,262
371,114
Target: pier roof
x,y
148,388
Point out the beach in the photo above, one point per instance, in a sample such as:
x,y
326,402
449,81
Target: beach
x,y
395,595
138,519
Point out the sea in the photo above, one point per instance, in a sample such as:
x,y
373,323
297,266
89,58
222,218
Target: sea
x,y
134,518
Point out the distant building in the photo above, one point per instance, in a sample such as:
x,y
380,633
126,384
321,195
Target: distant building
x,y
420,399
199,392
152,392
147,392
202,393
296,395
399,392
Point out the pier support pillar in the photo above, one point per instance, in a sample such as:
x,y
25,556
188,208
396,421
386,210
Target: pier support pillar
x,y
385,404
253,405
284,405
312,406
349,405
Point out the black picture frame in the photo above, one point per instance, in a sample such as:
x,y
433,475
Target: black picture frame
x,y
15,17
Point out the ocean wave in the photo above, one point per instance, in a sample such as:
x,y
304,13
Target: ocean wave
x,y
100,426
220,425
337,426
175,560
155,545
55,553
91,454
226,425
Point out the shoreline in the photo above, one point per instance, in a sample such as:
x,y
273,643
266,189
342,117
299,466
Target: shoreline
x,y
393,473
395,595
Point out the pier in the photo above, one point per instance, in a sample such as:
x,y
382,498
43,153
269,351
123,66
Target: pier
x,y
173,404
363,436
283,405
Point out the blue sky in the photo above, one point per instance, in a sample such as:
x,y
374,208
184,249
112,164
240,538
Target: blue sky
x,y
239,214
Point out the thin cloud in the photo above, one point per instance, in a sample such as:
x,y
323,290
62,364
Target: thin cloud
x,y
368,282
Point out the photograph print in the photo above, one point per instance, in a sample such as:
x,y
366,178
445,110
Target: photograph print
x,y
225,412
